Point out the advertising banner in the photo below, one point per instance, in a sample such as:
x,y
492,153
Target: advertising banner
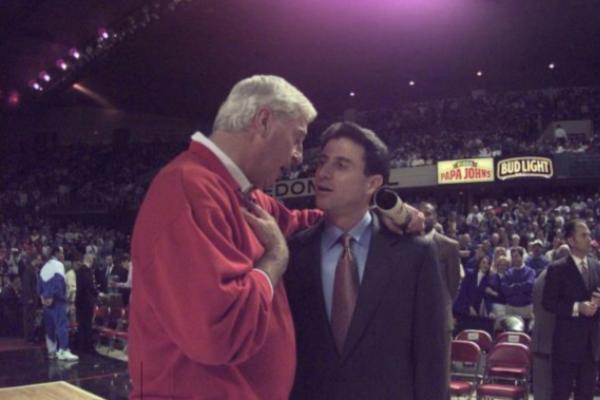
x,y
472,170
524,167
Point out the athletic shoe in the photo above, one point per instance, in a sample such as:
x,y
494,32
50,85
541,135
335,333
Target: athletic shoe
x,y
66,355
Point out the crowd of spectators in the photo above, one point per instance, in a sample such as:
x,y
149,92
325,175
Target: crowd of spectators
x,y
26,246
506,243
509,241
81,176
482,125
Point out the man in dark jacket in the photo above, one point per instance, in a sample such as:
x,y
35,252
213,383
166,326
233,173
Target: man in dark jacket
x,y
85,301
29,296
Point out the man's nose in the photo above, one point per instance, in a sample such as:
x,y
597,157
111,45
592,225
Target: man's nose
x,y
297,157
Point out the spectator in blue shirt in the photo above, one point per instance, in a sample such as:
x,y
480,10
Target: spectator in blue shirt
x,y
537,260
517,286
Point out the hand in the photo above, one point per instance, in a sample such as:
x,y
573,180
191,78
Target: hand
x,y
416,218
596,297
491,292
47,301
588,308
416,222
274,260
492,315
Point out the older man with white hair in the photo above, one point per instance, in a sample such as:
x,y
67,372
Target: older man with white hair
x,y
208,317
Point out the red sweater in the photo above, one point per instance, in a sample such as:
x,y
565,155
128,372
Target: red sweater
x,y
202,321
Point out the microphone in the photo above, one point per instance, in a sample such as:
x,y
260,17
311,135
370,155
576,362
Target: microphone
x,y
391,205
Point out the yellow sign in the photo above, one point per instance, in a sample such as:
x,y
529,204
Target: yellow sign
x,y
525,167
466,171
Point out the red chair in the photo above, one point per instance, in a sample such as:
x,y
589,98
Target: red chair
x,y
507,372
464,358
482,338
514,337
100,319
120,334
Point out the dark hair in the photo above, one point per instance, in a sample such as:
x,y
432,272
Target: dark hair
x,y
377,157
570,227
517,249
56,250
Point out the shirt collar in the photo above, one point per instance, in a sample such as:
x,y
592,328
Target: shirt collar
x,y
228,163
332,233
578,261
430,234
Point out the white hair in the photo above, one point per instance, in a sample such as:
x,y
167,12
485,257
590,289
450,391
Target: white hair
x,y
249,95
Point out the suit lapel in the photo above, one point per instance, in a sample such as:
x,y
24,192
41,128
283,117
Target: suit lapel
x,y
594,268
376,276
574,271
310,259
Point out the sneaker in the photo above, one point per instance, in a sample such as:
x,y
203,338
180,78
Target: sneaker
x,y
66,355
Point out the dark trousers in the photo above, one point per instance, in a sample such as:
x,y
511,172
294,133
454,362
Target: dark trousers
x,y
84,319
29,321
566,374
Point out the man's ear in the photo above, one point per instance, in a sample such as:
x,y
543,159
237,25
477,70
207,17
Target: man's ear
x,y
374,182
261,121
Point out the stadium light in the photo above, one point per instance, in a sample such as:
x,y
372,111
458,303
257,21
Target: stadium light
x,y
35,85
60,63
44,76
74,53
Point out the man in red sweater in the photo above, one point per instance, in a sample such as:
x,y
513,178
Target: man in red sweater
x,y
209,318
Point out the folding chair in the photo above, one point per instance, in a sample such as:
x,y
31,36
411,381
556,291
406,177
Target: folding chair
x,y
102,322
120,332
514,337
464,358
482,338
507,372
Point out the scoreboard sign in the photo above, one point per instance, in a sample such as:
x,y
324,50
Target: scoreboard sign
x,y
524,167
472,170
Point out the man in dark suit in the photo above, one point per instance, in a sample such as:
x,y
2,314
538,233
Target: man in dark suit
x,y
110,272
570,295
84,302
29,296
541,342
448,251
368,305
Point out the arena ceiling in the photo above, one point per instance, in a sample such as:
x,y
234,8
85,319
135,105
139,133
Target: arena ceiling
x,y
184,62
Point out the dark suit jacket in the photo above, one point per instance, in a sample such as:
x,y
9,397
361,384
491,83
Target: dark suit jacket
x,y
449,262
29,285
101,278
574,337
543,327
86,290
473,295
397,342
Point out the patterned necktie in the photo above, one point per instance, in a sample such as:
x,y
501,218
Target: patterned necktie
x,y
585,273
345,292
